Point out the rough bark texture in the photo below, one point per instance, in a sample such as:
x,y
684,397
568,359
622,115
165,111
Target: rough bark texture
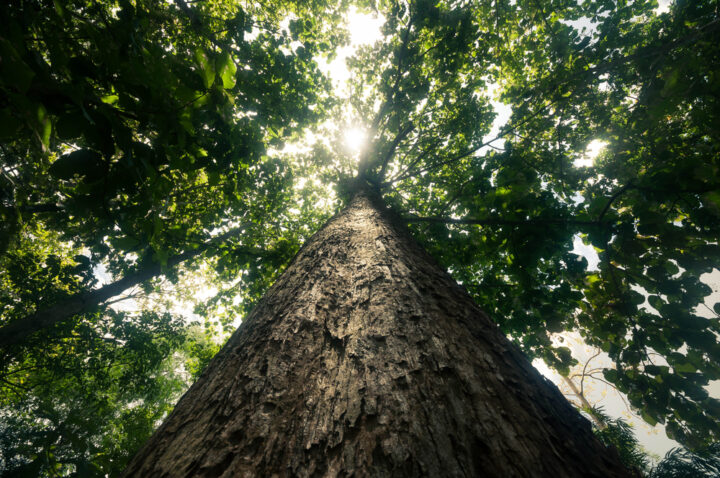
x,y
367,359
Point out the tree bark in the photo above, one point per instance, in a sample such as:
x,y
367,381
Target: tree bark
x,y
365,358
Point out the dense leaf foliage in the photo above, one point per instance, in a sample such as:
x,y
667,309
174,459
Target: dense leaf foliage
x,y
133,134
86,402
503,217
149,134
141,127
679,463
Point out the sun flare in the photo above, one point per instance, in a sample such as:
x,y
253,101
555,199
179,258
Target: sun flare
x,y
594,148
354,139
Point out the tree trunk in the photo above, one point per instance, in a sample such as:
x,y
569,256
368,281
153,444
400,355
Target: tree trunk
x,y
366,359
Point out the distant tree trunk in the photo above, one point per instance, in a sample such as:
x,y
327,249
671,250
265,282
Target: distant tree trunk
x,y
18,331
585,404
21,329
366,359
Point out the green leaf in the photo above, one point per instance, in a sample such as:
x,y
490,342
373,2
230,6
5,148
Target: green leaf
x,y
14,71
43,126
591,279
712,201
161,256
656,302
227,69
9,124
657,369
611,375
685,367
125,243
109,99
648,418
206,67
71,126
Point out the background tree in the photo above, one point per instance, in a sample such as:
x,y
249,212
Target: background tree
x,y
619,434
682,463
677,463
86,402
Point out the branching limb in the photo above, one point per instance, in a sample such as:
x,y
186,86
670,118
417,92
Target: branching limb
x,y
501,222
612,199
391,150
470,151
19,330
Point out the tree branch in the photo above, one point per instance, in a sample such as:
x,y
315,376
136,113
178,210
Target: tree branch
x,y
19,330
36,208
586,405
613,198
391,151
582,378
471,150
500,222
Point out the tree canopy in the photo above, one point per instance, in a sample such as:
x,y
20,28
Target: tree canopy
x,y
146,138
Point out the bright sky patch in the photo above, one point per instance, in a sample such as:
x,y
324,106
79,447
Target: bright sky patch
x,y
594,148
354,139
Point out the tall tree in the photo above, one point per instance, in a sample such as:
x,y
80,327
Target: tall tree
x,y
501,217
366,358
504,219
